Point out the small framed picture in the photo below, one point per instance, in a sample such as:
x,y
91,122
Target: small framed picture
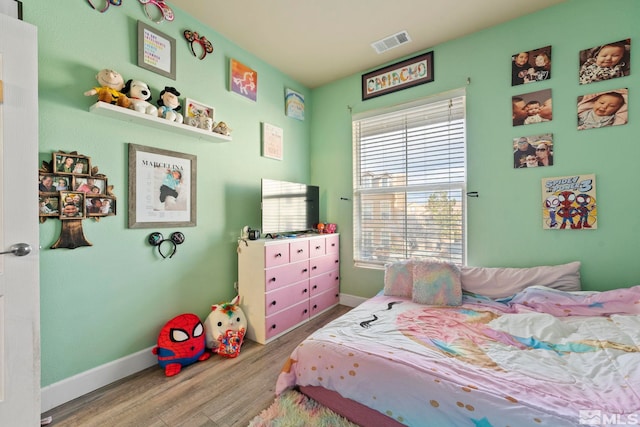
x,y
244,80
272,141
603,109
198,115
62,182
531,108
46,183
72,205
294,104
100,205
605,62
531,66
156,51
71,164
533,151
90,185
49,205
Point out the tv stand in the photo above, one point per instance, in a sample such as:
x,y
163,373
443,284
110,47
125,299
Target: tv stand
x,y
285,282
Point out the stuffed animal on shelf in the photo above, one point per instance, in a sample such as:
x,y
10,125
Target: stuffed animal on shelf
x,y
225,328
169,105
140,96
110,89
181,342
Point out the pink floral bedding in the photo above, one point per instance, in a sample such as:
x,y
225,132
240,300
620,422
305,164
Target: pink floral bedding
x,y
542,357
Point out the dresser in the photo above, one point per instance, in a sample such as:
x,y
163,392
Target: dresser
x,y
283,283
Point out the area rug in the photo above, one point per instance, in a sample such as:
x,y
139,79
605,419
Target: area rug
x,y
294,409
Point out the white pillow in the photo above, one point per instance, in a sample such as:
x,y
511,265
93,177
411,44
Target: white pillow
x,y
504,282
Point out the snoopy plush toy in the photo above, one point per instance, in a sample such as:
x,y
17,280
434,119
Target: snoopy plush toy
x,y
139,94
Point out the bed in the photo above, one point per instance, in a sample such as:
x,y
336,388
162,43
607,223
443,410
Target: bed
x,y
541,356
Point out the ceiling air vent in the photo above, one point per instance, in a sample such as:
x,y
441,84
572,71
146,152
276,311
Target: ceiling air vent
x,y
390,42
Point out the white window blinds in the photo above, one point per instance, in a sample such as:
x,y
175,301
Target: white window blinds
x,y
409,183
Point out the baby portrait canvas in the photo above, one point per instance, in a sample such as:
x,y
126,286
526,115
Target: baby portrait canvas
x,y
605,62
602,109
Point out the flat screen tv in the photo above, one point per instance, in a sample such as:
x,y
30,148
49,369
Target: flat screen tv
x,y
289,207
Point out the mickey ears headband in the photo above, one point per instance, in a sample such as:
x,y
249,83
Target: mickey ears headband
x,y
193,37
165,11
156,239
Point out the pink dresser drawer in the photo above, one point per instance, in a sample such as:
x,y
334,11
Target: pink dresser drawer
x,y
323,301
276,255
286,319
324,282
324,264
284,275
333,244
288,296
317,247
299,250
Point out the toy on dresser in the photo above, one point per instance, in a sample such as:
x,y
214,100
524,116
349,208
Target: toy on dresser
x,y
169,104
225,328
110,89
140,96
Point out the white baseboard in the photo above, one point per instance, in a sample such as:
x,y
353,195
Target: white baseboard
x,y
85,382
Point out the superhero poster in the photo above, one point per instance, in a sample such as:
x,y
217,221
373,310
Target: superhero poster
x,y
569,203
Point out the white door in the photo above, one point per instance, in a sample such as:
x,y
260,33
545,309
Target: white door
x,y
19,275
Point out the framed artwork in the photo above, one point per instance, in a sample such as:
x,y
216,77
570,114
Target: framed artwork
x,y
603,109
90,185
531,66
72,205
401,75
71,164
605,62
531,108
162,188
272,141
156,51
569,203
533,151
46,183
100,205
244,80
198,115
293,104
49,205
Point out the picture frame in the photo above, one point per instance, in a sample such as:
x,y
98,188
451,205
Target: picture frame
x,y
156,51
531,66
532,108
71,164
90,184
72,205
100,205
48,205
272,141
569,203
46,183
162,188
399,76
198,115
293,104
243,80
603,109
532,151
614,62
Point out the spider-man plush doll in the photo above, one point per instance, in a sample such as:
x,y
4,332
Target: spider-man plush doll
x,y
180,343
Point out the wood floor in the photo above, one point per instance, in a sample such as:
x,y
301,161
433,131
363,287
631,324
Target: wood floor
x,y
218,392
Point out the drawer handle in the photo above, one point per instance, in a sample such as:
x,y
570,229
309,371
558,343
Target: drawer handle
x,y
337,278
305,311
336,261
278,255
305,290
314,287
300,251
273,326
305,270
315,306
273,303
273,279
314,267
333,244
318,247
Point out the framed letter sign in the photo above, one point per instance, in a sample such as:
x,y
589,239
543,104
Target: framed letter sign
x,y
401,75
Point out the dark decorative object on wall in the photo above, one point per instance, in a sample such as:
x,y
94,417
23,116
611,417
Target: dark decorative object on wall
x,y
71,190
195,39
401,75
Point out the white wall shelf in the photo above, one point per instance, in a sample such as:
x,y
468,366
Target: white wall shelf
x,y
127,115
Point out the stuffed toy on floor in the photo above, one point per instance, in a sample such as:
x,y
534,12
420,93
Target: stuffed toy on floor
x,y
181,343
225,328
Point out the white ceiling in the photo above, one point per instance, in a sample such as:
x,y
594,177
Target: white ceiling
x,y
316,42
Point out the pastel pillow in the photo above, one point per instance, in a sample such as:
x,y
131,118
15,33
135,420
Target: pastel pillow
x,y
398,279
436,283
504,282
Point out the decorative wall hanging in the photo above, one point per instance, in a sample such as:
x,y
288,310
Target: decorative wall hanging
x,y
272,141
198,115
197,42
244,80
162,188
107,3
531,108
602,109
165,11
401,75
532,66
71,190
605,62
156,51
294,104
569,202
533,151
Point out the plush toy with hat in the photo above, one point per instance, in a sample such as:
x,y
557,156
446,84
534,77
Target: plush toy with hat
x,y
181,343
169,105
110,89
225,328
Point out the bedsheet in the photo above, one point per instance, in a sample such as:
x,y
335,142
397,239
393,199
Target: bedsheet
x,y
541,357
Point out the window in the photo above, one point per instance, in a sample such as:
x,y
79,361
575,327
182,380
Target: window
x,y
418,151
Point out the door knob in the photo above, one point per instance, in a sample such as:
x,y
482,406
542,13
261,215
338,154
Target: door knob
x,y
19,249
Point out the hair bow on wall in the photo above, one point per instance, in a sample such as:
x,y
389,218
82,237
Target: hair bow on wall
x,y
193,38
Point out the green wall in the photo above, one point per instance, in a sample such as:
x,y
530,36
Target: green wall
x,y
110,300
504,222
